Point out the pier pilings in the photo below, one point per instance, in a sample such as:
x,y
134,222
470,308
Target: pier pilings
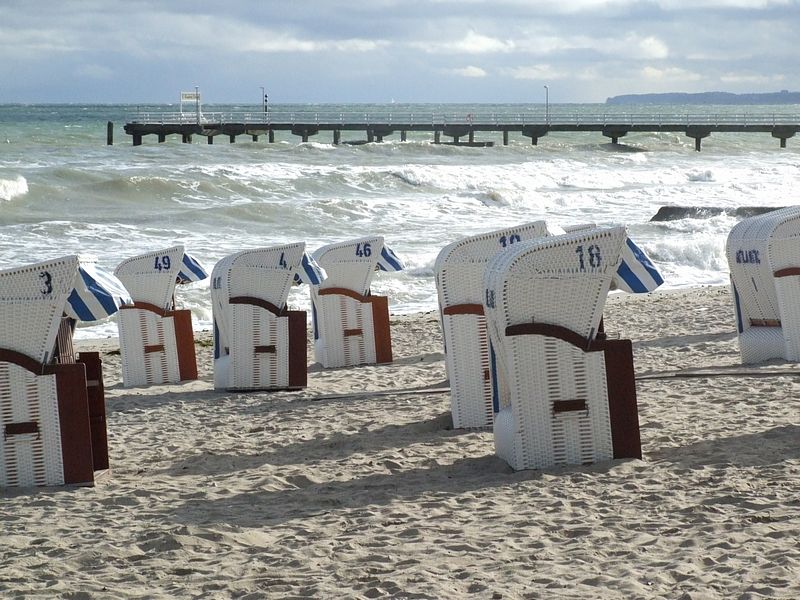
x,y
698,133
463,129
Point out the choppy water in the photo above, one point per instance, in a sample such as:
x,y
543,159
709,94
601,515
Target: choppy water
x,y
63,191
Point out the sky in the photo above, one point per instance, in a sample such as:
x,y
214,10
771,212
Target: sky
x,y
319,51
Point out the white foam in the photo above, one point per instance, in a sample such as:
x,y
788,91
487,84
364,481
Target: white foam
x,y
12,188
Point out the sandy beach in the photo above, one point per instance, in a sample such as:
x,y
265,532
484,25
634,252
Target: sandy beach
x,y
358,487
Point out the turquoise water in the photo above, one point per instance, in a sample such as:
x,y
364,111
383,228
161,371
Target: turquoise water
x,y
64,191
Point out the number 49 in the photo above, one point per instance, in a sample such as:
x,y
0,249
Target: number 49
x,y
162,263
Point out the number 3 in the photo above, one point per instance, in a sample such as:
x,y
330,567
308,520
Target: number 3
x,y
47,283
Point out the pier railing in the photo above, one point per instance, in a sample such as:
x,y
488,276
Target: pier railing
x,y
465,118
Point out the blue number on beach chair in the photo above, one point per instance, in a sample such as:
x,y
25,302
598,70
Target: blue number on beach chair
x,y
162,263
594,257
507,241
364,249
47,282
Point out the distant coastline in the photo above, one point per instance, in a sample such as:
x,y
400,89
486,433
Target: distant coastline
x,y
782,97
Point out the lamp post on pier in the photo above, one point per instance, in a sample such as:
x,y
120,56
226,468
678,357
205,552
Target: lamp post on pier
x,y
547,105
263,100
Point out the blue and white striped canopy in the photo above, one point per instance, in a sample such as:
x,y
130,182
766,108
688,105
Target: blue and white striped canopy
x,y
309,271
636,273
97,294
389,261
191,270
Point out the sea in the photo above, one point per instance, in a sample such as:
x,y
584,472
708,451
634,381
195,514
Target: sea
x,y
64,190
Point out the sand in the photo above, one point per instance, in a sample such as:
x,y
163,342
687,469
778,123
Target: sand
x,y
358,487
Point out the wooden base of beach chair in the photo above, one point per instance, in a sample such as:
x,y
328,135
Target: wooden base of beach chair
x,y
157,346
354,329
623,408
53,434
96,399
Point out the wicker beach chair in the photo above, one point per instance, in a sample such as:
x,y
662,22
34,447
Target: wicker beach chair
x,y
258,343
764,258
156,339
52,402
458,270
572,395
351,326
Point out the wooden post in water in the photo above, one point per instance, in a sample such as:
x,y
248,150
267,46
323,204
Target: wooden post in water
x,y
437,137
505,137
271,136
403,135
110,134
337,137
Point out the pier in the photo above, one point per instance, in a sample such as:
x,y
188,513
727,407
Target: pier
x,y
461,129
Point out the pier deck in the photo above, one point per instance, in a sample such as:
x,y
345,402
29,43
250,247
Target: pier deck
x,y
455,126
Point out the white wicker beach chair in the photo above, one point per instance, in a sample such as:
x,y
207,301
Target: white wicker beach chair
x,y
258,342
764,259
156,340
459,269
351,326
52,405
572,393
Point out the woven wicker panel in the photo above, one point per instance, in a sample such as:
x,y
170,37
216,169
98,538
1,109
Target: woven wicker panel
x,y
346,331
32,302
29,459
151,277
148,348
259,351
759,344
350,264
468,369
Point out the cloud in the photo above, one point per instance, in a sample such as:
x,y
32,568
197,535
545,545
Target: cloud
x,y
471,43
470,71
342,49
651,47
94,72
282,43
752,79
535,72
670,75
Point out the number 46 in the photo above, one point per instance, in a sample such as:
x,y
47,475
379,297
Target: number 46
x,y
364,249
